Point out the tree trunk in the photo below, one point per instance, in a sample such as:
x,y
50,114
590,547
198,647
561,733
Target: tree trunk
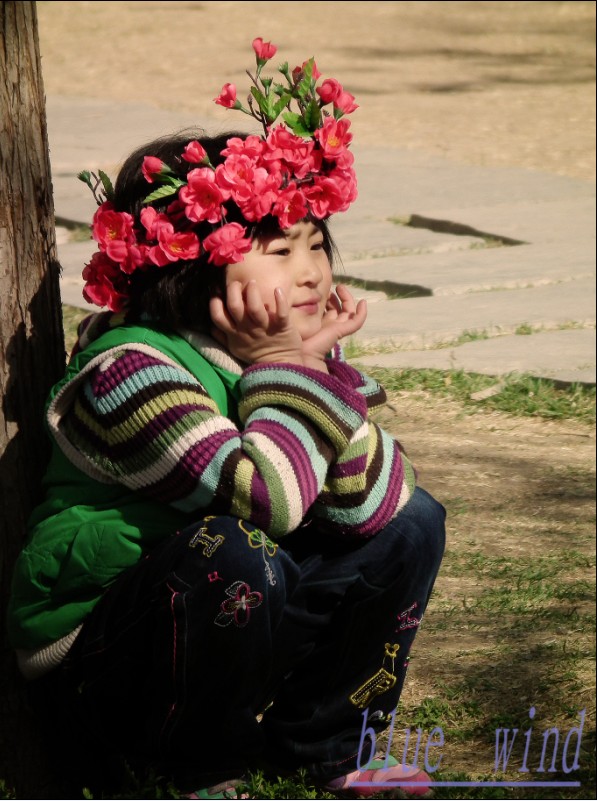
x,y
31,344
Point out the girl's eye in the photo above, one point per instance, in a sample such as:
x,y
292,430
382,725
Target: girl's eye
x,y
317,246
280,252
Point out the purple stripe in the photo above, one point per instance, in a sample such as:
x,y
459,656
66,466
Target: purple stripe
x,y
390,498
294,451
350,468
261,506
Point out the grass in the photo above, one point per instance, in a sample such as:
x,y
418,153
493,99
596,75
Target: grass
x,y
520,395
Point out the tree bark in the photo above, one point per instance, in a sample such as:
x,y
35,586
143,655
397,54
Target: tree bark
x,y
31,343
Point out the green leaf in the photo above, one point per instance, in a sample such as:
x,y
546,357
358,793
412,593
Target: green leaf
x,y
281,104
312,116
260,98
171,180
107,184
296,124
304,86
161,192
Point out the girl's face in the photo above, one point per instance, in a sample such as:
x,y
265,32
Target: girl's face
x,y
294,260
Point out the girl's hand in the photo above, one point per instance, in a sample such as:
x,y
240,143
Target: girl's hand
x,y
252,332
343,316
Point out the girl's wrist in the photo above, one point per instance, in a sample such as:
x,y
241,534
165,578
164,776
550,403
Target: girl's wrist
x,y
315,364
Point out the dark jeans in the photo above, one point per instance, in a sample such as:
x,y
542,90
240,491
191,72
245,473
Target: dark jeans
x,y
184,651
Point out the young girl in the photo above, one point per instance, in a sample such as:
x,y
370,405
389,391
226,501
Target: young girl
x,y
232,560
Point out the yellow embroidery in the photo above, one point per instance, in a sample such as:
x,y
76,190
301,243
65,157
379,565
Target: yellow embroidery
x,y
379,683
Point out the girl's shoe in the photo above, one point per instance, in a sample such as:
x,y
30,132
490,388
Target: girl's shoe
x,y
379,777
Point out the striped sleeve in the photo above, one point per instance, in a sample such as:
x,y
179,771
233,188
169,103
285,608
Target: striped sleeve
x,y
372,479
150,426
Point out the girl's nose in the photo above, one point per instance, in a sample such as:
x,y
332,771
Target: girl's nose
x,y
310,270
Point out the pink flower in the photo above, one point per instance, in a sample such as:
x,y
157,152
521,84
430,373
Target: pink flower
x,y
297,72
235,177
264,50
151,167
174,246
110,226
105,284
324,197
290,206
286,150
329,90
195,153
128,256
346,181
252,147
333,137
202,197
227,97
345,103
154,222
227,245
258,202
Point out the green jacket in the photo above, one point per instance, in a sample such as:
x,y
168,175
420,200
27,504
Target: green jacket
x,y
85,532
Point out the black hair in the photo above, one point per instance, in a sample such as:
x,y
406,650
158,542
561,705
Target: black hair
x,y
178,295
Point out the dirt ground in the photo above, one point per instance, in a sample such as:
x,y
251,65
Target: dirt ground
x,y
490,83
493,83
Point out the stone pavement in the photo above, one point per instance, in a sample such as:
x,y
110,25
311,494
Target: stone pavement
x,y
476,268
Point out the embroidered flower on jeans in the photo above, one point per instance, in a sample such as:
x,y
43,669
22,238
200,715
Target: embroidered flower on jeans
x,y
237,607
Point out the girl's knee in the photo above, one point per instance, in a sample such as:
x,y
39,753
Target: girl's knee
x,y
229,549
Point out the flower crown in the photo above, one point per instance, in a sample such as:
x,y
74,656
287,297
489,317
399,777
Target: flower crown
x,y
299,167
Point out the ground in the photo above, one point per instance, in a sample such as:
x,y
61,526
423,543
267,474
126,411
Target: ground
x,y
494,83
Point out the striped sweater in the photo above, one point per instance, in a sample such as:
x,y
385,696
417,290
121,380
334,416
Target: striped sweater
x,y
152,433
300,443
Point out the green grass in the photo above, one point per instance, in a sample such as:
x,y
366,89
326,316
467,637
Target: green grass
x,y
520,395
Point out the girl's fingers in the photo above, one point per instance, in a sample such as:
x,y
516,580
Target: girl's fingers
x,y
254,305
219,315
235,303
345,299
282,309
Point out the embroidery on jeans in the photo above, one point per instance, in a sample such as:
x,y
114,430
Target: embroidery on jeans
x,y
257,539
215,576
237,607
406,621
379,683
210,544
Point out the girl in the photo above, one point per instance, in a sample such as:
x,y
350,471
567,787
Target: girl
x,y
232,560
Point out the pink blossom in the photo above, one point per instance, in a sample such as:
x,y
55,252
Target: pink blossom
x,y
333,137
258,202
174,246
227,245
345,103
195,153
346,182
128,256
235,177
297,72
105,284
264,50
329,90
290,206
324,197
151,167
110,225
286,150
202,197
252,147
154,222
227,96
